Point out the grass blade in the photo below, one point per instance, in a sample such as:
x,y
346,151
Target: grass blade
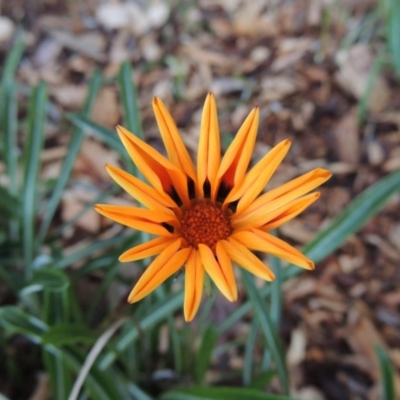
x,y
33,148
387,374
248,361
129,98
13,59
73,149
394,34
219,393
268,329
204,353
155,315
107,136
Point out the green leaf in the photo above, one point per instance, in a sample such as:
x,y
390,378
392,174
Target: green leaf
x,y
394,34
51,279
107,136
248,361
204,353
59,373
8,203
13,59
129,97
33,148
387,375
17,321
68,334
73,149
155,315
268,328
219,393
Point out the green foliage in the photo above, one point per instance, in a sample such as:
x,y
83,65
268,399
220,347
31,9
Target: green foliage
x,y
387,375
106,351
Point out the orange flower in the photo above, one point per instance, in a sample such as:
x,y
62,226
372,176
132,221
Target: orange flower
x,y
205,219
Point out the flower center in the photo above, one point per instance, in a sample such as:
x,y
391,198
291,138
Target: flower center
x,y
205,223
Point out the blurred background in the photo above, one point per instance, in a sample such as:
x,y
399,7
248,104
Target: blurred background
x,y
325,74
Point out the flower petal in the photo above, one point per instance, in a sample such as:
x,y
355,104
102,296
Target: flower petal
x,y
217,272
165,265
226,267
289,212
208,156
160,172
147,249
240,254
236,159
289,191
256,239
273,211
174,145
194,281
138,218
140,191
256,179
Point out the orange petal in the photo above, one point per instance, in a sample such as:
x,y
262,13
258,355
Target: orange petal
x,y
194,281
239,254
174,145
140,191
273,210
161,173
138,218
208,156
217,272
256,179
236,159
289,213
289,191
255,239
147,249
165,265
226,267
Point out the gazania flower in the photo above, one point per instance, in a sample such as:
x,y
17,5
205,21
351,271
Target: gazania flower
x,y
207,218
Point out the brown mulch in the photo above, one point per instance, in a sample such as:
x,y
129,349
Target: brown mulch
x,y
293,64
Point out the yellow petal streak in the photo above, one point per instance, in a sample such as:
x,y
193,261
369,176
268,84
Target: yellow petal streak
x,y
138,218
159,171
256,179
239,254
274,211
220,272
236,159
174,145
208,156
143,193
289,212
194,281
165,265
289,191
147,249
262,241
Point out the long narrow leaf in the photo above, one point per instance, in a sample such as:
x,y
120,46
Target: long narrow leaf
x,y
387,375
269,330
203,355
219,393
70,158
129,97
158,313
33,148
248,362
13,59
107,136
394,34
